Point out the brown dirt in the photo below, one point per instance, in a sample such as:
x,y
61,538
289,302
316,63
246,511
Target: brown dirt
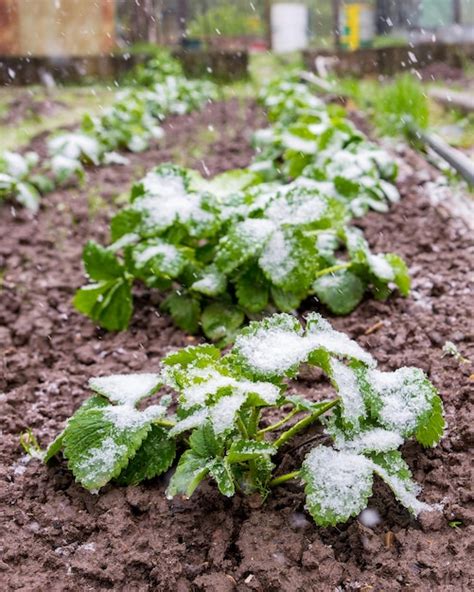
x,y
26,107
58,537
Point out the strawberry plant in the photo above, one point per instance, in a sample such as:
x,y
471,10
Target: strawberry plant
x,y
312,140
220,428
229,249
18,181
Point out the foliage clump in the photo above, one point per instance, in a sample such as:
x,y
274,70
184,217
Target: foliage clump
x,y
311,140
231,248
219,427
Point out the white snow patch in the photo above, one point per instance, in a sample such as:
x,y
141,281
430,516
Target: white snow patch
x,y
126,389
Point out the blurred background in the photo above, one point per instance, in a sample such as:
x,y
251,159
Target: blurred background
x,y
71,55
62,28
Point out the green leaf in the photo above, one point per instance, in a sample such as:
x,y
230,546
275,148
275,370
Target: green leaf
x,y
346,187
290,259
431,427
393,463
212,282
221,321
154,457
243,241
54,448
101,264
159,258
242,450
392,469
341,291
408,403
337,484
252,291
184,310
220,470
264,470
96,450
400,270
229,182
192,355
191,470
285,300
108,303
203,442
124,222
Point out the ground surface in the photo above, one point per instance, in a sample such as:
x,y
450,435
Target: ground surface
x,y
56,536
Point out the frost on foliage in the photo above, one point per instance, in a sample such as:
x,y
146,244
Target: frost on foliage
x,y
163,258
339,484
104,434
380,267
408,402
126,389
74,146
353,406
166,201
276,346
218,404
212,283
208,384
372,440
101,460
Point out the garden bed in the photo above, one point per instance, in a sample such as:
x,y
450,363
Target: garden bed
x,y
57,536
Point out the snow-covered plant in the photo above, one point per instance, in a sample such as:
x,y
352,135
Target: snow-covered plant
x,y
229,249
317,141
220,427
69,151
17,180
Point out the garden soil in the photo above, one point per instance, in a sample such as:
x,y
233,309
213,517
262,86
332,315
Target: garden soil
x,y
58,537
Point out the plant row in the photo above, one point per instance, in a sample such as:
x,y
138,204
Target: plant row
x,y
220,427
133,120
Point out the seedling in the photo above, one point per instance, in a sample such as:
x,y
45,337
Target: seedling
x,y
220,428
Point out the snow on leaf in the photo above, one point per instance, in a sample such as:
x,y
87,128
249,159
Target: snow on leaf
x,y
345,380
277,348
373,440
337,484
126,389
407,398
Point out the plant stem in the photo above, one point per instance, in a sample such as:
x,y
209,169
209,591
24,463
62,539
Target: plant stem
x,y
304,423
283,478
333,269
253,421
242,428
278,424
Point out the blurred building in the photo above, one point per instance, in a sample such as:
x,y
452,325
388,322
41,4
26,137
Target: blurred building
x,y
56,28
